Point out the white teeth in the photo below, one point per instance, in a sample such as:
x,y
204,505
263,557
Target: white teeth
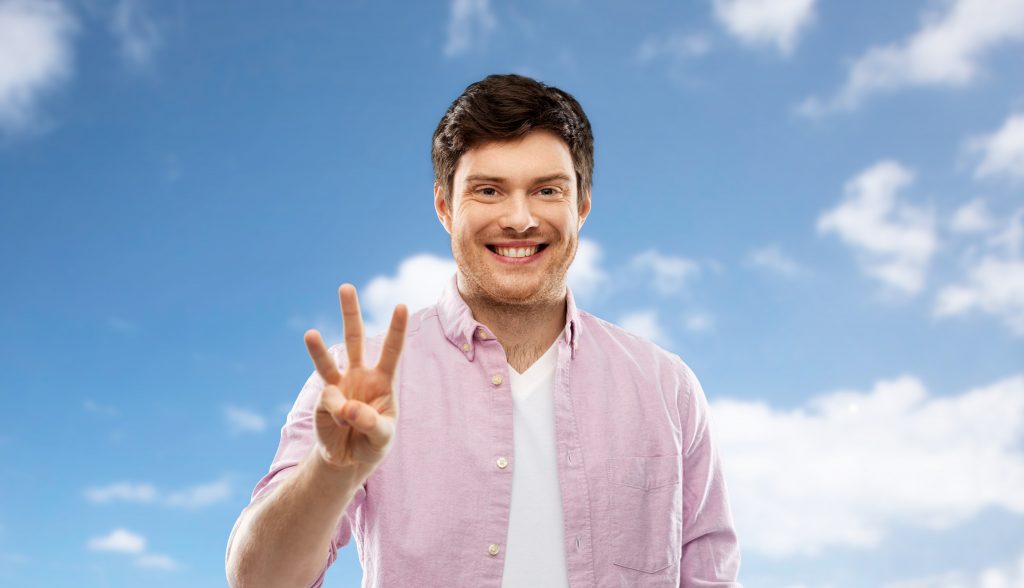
x,y
516,251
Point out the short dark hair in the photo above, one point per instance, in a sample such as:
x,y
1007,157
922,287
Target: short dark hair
x,y
506,107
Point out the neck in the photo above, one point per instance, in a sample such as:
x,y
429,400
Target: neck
x,y
525,330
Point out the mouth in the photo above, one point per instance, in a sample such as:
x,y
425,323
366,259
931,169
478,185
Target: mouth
x,y
517,252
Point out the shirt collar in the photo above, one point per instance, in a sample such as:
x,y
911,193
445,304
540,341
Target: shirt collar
x,y
460,326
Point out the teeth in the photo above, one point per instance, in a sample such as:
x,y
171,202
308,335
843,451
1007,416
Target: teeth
x,y
516,251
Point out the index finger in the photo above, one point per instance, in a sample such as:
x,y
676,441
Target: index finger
x,y
353,320
325,364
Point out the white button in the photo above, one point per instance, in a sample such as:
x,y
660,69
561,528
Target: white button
x,y
496,379
502,462
492,549
465,347
481,333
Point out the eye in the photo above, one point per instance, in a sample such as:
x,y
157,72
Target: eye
x,y
550,191
487,191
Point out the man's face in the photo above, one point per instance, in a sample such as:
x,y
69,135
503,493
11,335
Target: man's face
x,y
514,218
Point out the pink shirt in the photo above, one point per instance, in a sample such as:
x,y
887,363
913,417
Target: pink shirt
x,y
644,500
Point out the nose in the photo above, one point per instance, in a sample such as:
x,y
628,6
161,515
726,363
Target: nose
x,y
517,215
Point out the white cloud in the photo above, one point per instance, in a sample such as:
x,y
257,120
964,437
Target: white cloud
x,y
586,275
136,32
675,46
777,23
242,420
645,323
200,495
669,273
994,281
700,322
894,240
972,217
418,284
848,466
35,57
193,497
93,406
1002,151
774,260
122,492
1005,575
119,540
945,51
469,25
157,561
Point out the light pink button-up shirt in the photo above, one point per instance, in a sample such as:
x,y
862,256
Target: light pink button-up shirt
x,y
644,499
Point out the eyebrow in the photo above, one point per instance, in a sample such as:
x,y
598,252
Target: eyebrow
x,y
498,180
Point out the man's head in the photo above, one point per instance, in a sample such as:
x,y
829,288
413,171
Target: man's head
x,y
513,161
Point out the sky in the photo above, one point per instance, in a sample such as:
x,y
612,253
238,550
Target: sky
x,y
818,205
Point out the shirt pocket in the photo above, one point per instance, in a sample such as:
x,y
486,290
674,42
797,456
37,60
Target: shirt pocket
x,y
647,511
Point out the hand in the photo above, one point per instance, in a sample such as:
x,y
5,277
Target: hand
x,y
356,415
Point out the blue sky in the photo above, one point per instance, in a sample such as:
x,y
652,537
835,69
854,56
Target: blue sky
x,y
817,204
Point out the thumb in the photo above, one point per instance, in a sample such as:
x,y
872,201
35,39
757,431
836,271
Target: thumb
x,y
365,419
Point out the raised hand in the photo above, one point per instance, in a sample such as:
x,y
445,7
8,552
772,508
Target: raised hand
x,y
356,415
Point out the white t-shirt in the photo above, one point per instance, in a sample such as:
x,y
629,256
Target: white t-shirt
x,y
535,554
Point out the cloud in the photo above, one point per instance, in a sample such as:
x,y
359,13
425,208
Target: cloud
x,y
972,217
847,466
677,47
700,322
1005,575
119,540
944,52
586,275
241,420
92,406
157,561
470,23
894,241
122,492
772,258
417,284
137,34
35,58
994,281
772,23
645,323
1002,151
669,273
194,497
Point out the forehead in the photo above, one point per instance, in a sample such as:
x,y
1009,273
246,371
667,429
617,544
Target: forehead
x,y
536,154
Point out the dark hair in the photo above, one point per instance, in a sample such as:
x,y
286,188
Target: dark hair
x,y
505,107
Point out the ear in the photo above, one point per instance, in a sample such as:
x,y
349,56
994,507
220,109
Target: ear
x,y
584,209
443,213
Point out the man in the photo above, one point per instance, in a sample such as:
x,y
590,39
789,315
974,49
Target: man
x,y
536,444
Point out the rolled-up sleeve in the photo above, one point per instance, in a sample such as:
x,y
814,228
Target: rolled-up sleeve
x,y
710,552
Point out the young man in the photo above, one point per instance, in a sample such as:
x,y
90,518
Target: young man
x,y
536,445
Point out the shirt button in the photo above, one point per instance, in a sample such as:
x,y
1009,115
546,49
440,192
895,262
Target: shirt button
x,y
481,333
502,462
496,379
465,347
492,549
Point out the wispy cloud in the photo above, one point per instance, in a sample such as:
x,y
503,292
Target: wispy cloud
x,y
118,540
894,241
994,280
35,58
1002,151
766,23
242,420
972,217
946,51
700,322
1005,575
676,47
646,324
157,561
95,407
136,32
846,467
470,24
198,496
587,275
669,274
772,259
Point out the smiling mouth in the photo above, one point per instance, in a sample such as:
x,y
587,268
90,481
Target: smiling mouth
x,y
516,252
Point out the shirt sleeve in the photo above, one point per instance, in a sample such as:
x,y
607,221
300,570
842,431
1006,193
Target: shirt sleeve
x,y
297,440
710,552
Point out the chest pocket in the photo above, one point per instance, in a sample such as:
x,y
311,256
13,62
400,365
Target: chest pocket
x,y
647,511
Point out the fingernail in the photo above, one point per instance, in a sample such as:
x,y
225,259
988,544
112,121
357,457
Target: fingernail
x,y
353,411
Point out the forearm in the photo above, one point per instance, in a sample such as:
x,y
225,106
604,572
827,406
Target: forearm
x,y
283,539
